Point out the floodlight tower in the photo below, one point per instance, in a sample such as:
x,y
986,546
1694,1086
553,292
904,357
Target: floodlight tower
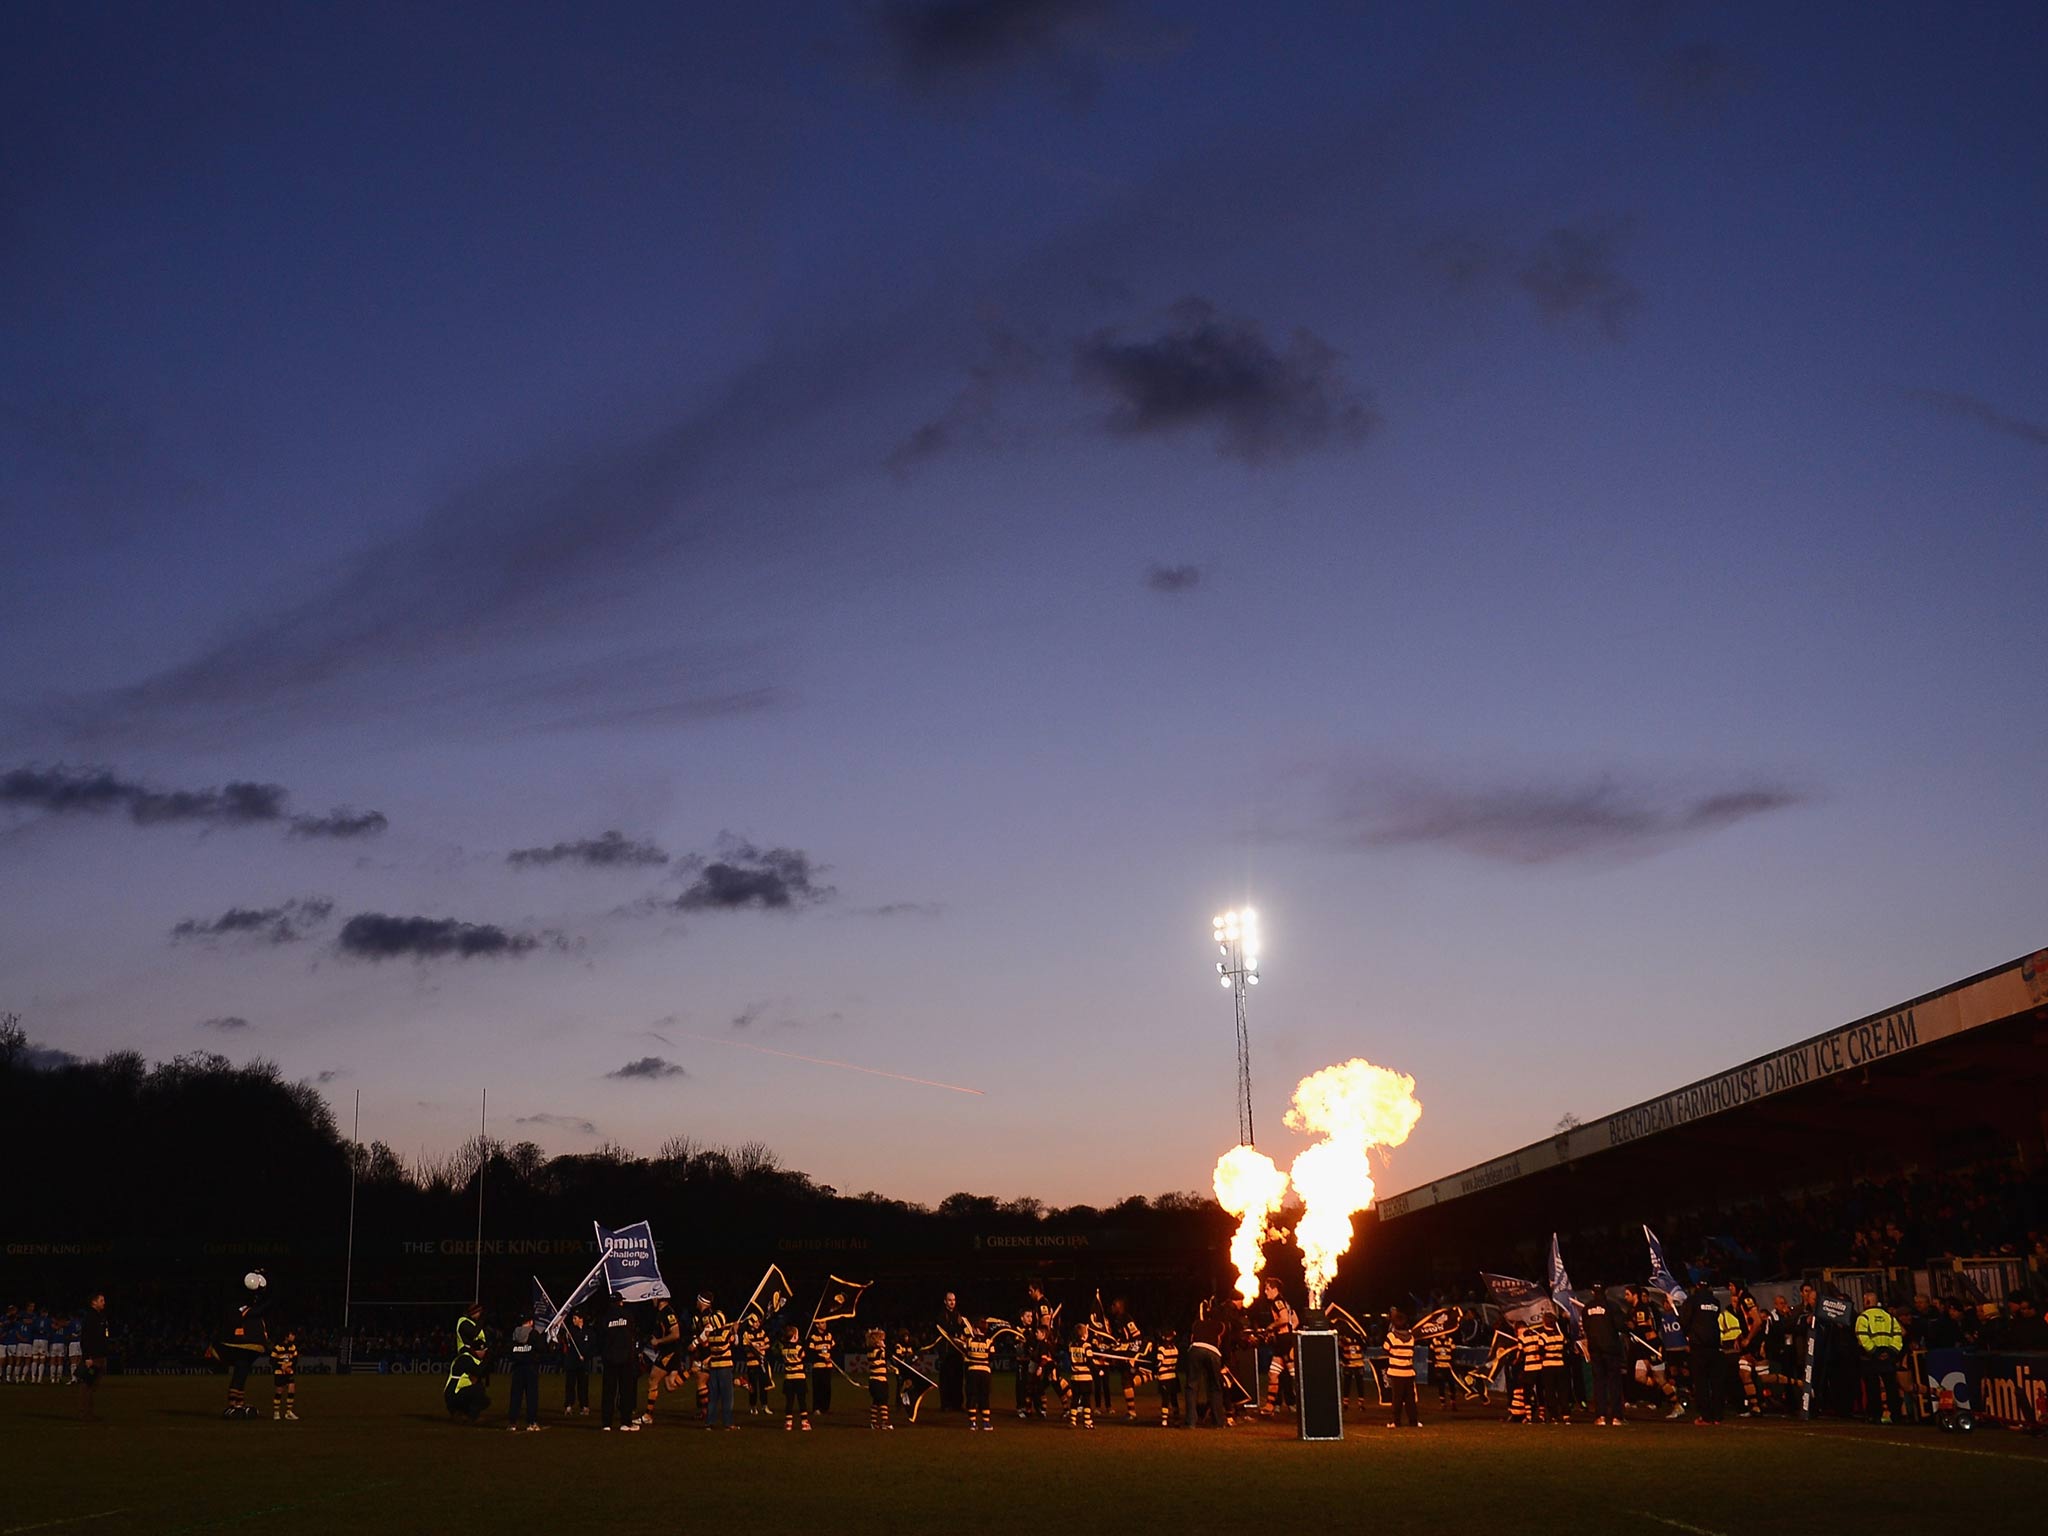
x,y
1236,935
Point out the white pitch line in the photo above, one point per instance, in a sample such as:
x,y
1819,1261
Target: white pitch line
x,y
1678,1525
44,1525
1908,1445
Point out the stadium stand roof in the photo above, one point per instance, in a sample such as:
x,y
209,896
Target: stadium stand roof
x,y
1975,1045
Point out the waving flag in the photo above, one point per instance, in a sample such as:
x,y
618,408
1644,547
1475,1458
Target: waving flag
x,y
769,1297
1661,1278
840,1300
630,1270
1519,1300
1561,1290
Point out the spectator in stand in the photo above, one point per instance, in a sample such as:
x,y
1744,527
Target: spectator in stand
x,y
2019,1326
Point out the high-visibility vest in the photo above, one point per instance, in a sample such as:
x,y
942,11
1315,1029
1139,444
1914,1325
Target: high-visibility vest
x,y
1877,1329
1731,1328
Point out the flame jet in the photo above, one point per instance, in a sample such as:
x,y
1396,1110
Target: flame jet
x,y
1354,1106
1249,1185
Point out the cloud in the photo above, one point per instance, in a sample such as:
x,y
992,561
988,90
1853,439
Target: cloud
x,y
1984,413
905,909
968,420
96,791
652,1068
743,875
937,42
575,1123
327,1075
229,1024
376,936
1173,578
1571,272
344,821
508,603
46,1058
284,924
1603,818
1206,371
748,1016
613,850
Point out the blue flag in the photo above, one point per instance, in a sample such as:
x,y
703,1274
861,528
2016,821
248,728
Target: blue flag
x,y
1561,1291
1519,1300
1661,1278
630,1269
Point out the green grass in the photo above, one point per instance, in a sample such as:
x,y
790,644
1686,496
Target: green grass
x,y
375,1455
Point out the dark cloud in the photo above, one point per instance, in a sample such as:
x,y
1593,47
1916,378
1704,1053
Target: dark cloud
x,y
649,1067
285,924
748,1016
575,1123
906,909
939,42
613,850
1173,578
1571,272
68,791
1600,819
742,875
968,421
1209,372
328,1075
46,1058
228,1024
344,821
377,936
1984,413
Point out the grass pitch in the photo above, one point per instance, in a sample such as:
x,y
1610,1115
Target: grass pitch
x,y
376,1454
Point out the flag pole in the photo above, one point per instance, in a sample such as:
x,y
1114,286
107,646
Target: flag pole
x,y
483,1157
348,1273
577,1294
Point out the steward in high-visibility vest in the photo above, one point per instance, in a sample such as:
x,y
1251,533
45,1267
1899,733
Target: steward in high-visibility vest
x,y
1881,1341
465,1391
1877,1329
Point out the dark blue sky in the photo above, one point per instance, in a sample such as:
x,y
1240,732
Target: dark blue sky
x,y
1546,501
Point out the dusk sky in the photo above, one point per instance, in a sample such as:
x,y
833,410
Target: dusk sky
x,y
546,545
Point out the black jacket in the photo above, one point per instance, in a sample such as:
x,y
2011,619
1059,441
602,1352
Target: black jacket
x,y
617,1337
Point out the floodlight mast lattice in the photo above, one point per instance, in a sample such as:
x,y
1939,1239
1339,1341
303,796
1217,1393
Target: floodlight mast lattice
x,y
1236,936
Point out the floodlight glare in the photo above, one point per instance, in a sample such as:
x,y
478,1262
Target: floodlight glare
x,y
1235,932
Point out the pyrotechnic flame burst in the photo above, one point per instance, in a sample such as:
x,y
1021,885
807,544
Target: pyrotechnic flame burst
x,y
1249,1185
1354,1106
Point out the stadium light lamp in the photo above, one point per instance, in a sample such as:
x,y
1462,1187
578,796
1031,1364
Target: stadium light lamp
x,y
1235,934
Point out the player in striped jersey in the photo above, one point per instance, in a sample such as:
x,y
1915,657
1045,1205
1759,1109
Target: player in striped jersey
x,y
1351,1367
1081,1380
754,1351
796,1385
977,1350
1443,1361
665,1354
878,1379
284,1377
1400,1347
1556,1393
824,1352
1166,1367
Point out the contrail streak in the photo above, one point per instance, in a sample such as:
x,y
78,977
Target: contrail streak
x,y
827,1061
